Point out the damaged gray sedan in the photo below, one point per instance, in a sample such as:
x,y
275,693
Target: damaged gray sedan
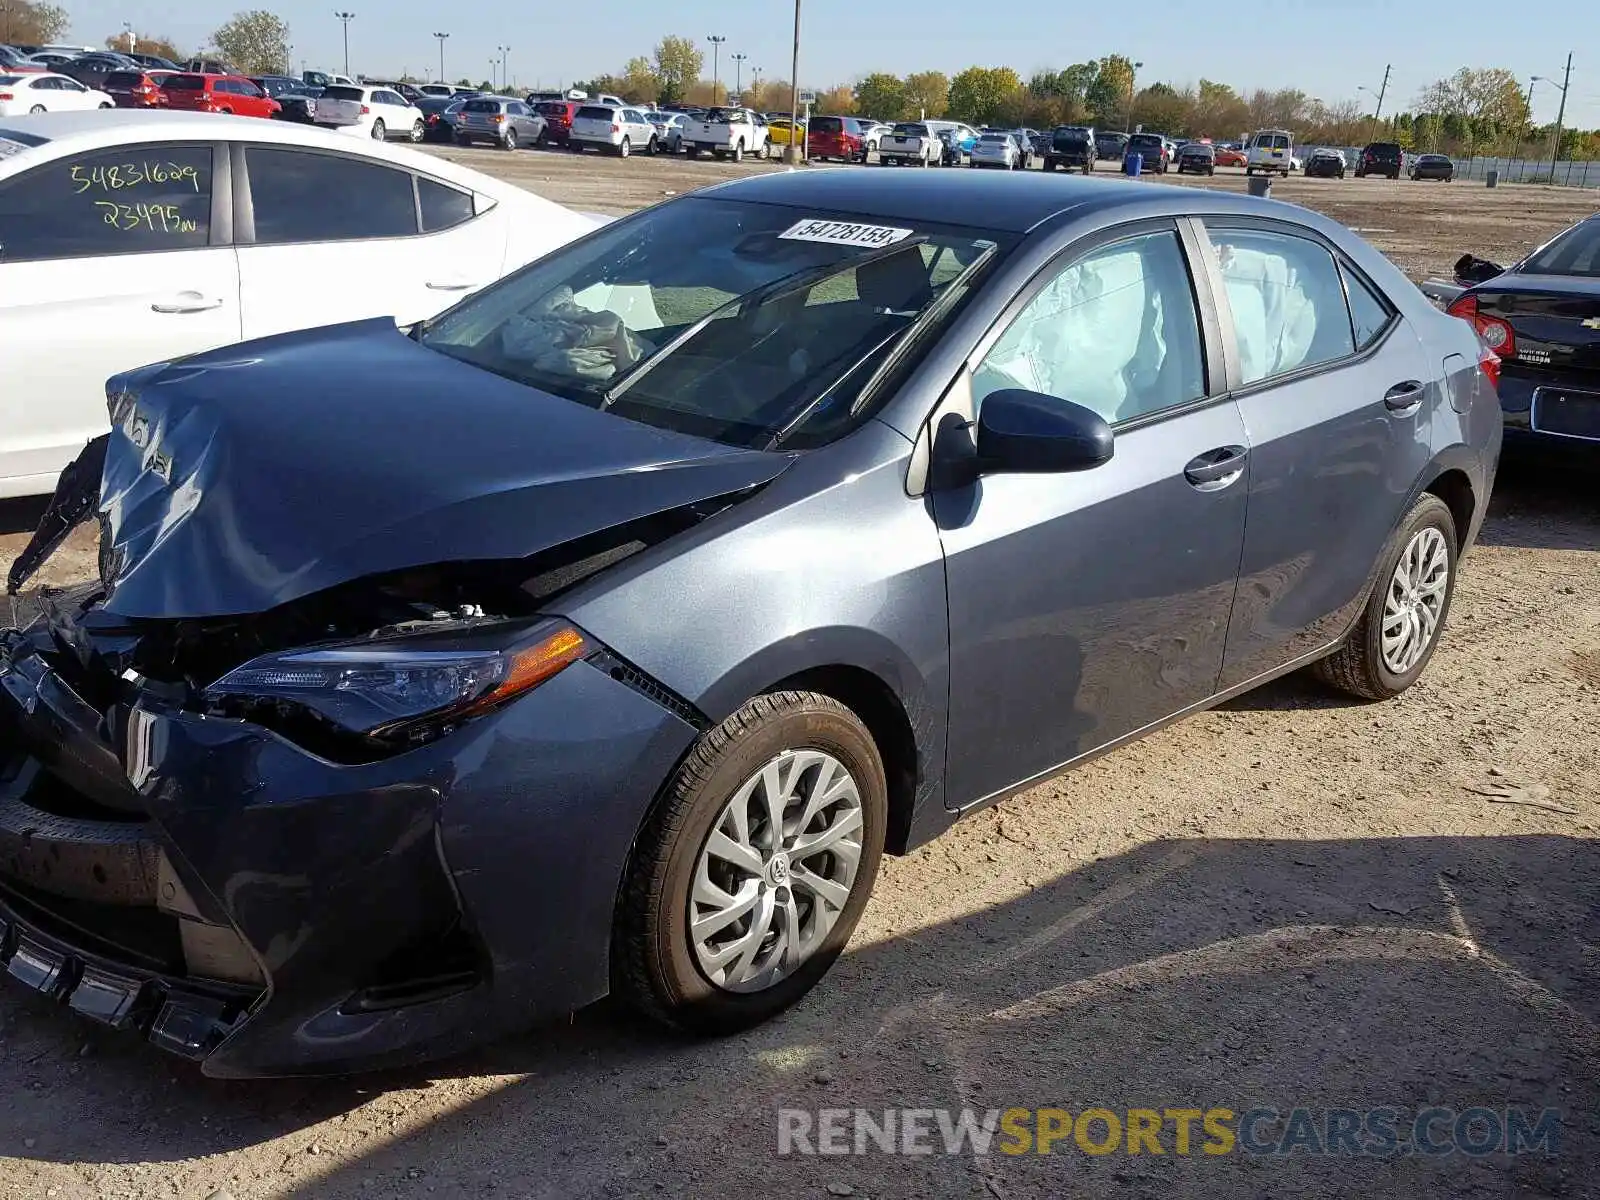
x,y
601,634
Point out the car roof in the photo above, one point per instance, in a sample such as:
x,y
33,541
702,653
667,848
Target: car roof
x,y
68,133
1012,202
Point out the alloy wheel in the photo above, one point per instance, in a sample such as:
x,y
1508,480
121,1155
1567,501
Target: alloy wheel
x,y
1415,600
776,871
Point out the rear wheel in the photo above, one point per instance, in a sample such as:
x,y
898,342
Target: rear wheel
x,y
1396,634
624,148
379,130
105,106
738,152
418,130
36,109
510,139
752,868
650,148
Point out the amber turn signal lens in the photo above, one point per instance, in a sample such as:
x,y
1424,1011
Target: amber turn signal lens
x,y
532,665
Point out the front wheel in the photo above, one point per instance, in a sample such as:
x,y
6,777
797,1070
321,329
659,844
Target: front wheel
x,y
752,868
379,130
1396,634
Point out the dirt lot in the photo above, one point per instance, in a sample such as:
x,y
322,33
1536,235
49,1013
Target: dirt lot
x,y
1291,901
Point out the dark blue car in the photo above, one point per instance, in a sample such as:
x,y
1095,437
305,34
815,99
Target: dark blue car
x,y
601,634
1542,318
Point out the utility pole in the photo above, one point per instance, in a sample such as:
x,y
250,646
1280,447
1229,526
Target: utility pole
x,y
792,151
1383,89
716,41
1131,73
441,37
1561,115
505,67
346,17
738,73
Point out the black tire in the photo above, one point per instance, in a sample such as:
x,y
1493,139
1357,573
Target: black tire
x,y
650,148
37,109
542,142
420,131
1357,667
380,131
1049,164
738,152
653,964
624,147
509,142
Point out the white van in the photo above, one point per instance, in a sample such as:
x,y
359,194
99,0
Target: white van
x,y
1269,150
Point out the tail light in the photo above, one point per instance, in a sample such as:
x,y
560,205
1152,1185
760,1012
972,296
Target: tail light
x,y
1496,334
615,128
6,96
365,110
500,119
1489,364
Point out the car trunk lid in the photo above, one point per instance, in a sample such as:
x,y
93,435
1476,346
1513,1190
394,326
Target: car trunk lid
x,y
1556,318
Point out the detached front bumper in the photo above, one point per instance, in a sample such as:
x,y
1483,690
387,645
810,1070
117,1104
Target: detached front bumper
x,y
239,900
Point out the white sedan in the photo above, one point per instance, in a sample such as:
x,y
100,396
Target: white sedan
x,y
43,93
996,150
376,112
133,237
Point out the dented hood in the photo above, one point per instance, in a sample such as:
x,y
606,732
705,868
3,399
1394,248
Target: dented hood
x,y
247,477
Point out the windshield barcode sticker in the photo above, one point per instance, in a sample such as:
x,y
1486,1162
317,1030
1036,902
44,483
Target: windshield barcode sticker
x,y
844,233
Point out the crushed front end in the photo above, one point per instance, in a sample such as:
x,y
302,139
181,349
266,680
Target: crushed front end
x,y
280,901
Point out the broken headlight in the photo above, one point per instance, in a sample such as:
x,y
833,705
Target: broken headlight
x,y
380,688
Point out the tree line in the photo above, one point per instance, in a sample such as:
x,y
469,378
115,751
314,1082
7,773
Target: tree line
x,y
1476,111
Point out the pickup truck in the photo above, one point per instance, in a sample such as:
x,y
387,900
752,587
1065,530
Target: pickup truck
x,y
728,133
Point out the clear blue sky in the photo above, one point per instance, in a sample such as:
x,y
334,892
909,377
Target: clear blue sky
x,y
1326,47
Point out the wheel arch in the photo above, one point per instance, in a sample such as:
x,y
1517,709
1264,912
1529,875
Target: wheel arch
x,y
1454,486
880,710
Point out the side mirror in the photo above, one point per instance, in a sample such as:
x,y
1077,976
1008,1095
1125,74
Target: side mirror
x,y
1023,431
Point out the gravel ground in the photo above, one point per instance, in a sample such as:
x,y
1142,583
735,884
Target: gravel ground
x,y
1291,901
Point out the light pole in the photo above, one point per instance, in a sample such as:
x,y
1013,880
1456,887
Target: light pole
x,y
716,41
1131,73
796,144
346,18
494,63
738,77
1382,91
1561,115
441,37
127,32
505,74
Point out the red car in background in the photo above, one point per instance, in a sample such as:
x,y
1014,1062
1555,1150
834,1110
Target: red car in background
x,y
557,116
219,94
137,89
1230,156
836,137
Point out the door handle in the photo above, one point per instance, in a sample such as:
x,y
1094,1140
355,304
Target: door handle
x,y
187,302
449,285
1216,468
1403,397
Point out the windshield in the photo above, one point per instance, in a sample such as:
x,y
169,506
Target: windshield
x,y
596,112
1575,252
343,92
906,130
751,324
826,125
481,106
1146,139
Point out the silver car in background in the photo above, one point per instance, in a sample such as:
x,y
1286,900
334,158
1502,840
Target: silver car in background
x,y
504,123
997,150
669,129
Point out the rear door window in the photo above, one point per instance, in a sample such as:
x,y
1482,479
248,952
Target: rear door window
x,y
302,196
1288,301
135,199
